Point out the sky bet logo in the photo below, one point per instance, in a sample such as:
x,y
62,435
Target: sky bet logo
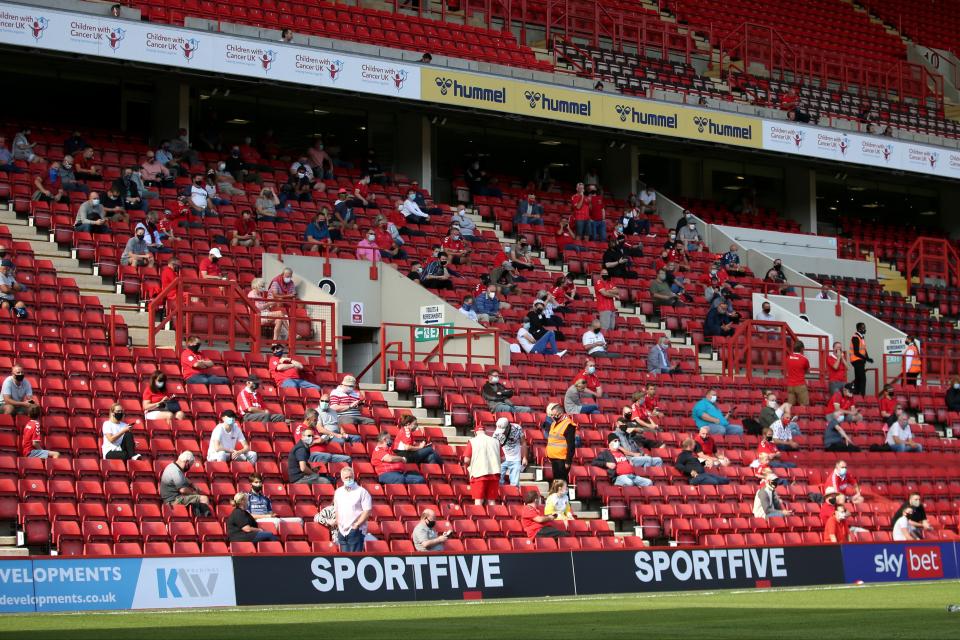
x,y
921,563
186,583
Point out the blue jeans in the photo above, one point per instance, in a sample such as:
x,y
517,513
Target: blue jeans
x,y
425,455
511,469
729,430
528,220
297,383
547,344
599,230
264,536
401,477
708,478
347,438
646,461
323,456
203,378
779,464
589,408
632,480
91,228
583,228
574,247
352,542
901,448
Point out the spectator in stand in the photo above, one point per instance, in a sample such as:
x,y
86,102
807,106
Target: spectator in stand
x,y
797,368
328,427
916,516
595,343
658,358
425,537
199,199
68,178
481,457
561,441
343,211
241,526
488,306
690,237
546,344
318,235
245,231
719,323
192,364
154,173
158,403
74,143
690,465
529,211
775,275
361,193
764,315
648,201
831,501
837,531
706,413
455,248
580,205
175,488
411,210
23,148
347,401
283,288
616,261
436,275
468,309
606,295
888,405
900,437
533,520
211,187
842,401
321,437
153,236
632,427
320,160
768,446
136,253
662,293
248,404
912,363
6,159
837,364
834,437
118,442
498,396
903,528
353,504
91,217
113,205
465,223
9,287
565,237
271,313
368,249
31,440
634,222
505,277
209,267
731,261
49,187
766,503
580,400
514,444
17,392
286,371
598,214
390,467
225,438
841,481
619,465
267,204
411,444
299,470
706,449
777,416
558,502
952,397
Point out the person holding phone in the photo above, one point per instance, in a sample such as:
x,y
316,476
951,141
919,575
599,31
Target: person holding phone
x,y
158,403
707,413
118,442
425,536
533,520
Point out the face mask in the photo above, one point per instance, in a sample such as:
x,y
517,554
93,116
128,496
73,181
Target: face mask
x,y
278,353
95,201
494,379
769,438
842,472
349,484
673,237
526,325
591,369
287,280
214,260
161,384
840,419
614,445
221,166
227,420
371,237
324,405
198,181
18,377
692,227
956,385
118,415
597,330
139,236
841,516
431,523
257,488
491,295
713,398
772,404
412,197
307,440
194,347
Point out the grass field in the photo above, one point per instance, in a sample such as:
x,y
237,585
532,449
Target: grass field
x,y
915,610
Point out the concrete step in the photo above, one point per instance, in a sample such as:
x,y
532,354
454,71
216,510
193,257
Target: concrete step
x,y
8,541
14,551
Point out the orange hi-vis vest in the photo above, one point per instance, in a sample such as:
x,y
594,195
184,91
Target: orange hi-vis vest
x,y
863,347
556,439
912,352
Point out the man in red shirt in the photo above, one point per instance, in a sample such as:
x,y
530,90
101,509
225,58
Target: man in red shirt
x,y
248,404
706,449
456,248
31,442
411,443
837,530
564,290
534,523
318,446
209,268
581,213
606,294
768,446
168,274
245,231
842,401
598,215
837,368
193,365
589,375
361,193
650,400
797,367
389,467
285,371
843,482
888,405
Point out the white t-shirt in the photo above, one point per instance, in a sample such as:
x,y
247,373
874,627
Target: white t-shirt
x,y
199,195
349,504
896,431
525,338
593,342
228,440
111,428
901,529
647,197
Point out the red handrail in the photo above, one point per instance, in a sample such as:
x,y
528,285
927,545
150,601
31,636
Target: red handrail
x,y
767,340
776,288
932,258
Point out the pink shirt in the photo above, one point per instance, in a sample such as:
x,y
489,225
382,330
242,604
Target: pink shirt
x,y
367,250
350,504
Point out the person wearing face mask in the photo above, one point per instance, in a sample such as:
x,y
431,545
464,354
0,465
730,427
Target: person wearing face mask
x,y
328,423
193,366
535,523
154,173
834,437
283,288
842,401
259,504
368,249
797,367
616,262
529,211
136,253
595,343
9,286
6,159
545,345
707,413
17,392
353,505
200,200
589,375
158,402
319,236
690,237
390,467
580,400
620,465
952,397
321,160
209,267
498,396
914,515
91,217
224,441
769,447
606,295
690,464
488,305
436,274
299,470
662,293
412,212
658,358
69,179
454,246
249,406
348,401
558,502
226,183
49,186
561,441
837,364
766,502
514,445
321,438
118,442
175,488
245,231
859,359
425,536
837,531
468,310
242,526
900,437
285,371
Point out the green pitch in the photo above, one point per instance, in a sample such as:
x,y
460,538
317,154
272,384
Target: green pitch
x,y
869,612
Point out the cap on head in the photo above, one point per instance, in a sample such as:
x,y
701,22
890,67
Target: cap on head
x,y
349,381
215,252
502,423
551,407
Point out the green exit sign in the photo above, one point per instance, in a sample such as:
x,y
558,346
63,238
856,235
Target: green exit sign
x,y
432,334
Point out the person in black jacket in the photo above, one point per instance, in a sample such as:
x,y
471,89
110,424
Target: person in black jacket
x,y
243,527
918,517
616,261
719,322
953,395
619,465
497,396
689,465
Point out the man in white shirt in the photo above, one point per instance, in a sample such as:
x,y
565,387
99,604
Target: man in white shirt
x,y
224,440
595,343
353,505
764,313
412,211
902,529
899,436
200,199
648,197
